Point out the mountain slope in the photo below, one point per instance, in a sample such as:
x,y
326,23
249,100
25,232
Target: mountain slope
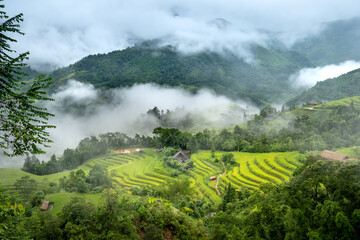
x,y
346,85
338,42
263,80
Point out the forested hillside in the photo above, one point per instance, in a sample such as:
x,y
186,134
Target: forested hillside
x,y
347,85
265,79
338,42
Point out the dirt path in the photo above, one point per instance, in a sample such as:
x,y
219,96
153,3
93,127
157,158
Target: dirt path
x,y
217,180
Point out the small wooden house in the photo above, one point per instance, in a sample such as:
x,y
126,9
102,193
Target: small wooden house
x,y
181,157
45,206
312,103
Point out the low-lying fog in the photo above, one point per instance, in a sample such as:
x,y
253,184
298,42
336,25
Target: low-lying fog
x,y
81,111
308,77
128,107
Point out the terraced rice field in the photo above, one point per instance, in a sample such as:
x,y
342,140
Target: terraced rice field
x,y
146,169
343,102
137,169
254,168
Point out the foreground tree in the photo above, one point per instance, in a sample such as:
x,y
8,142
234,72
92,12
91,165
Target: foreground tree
x,y
23,123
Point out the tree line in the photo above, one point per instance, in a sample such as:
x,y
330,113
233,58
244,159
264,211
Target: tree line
x,y
329,128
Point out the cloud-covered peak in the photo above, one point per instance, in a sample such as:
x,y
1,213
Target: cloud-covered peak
x,y
60,32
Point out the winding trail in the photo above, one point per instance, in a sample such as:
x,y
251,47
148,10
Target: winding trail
x,y
217,180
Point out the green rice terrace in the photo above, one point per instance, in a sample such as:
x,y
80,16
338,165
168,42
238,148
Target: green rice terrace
x,y
146,169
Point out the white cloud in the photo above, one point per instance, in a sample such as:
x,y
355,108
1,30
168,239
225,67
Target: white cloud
x,y
75,90
60,32
308,77
129,105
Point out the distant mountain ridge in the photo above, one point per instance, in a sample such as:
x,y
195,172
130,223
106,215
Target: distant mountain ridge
x,y
338,42
264,80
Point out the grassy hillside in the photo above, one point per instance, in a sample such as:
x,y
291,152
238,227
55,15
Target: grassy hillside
x,y
343,102
146,169
8,176
352,152
227,75
346,85
60,199
327,106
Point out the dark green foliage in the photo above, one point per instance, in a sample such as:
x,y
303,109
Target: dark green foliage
x,y
99,176
77,212
123,219
96,181
228,75
228,158
26,187
178,188
23,122
49,227
36,201
76,218
82,186
172,137
147,191
230,196
194,208
74,182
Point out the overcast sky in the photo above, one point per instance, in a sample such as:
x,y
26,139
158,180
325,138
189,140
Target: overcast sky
x,y
59,32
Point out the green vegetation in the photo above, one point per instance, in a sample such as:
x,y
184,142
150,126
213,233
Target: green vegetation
x,y
320,202
228,75
62,198
352,152
147,169
344,86
86,149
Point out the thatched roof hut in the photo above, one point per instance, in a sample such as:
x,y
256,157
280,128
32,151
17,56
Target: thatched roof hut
x,y
181,157
45,206
330,155
212,177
